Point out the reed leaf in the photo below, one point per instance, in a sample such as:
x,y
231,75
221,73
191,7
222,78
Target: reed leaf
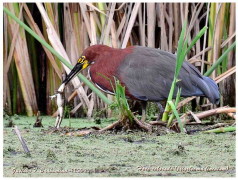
x,y
198,36
221,130
221,58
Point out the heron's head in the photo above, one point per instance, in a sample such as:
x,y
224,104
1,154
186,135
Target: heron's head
x,y
88,57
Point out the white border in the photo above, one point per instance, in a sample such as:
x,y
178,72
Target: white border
x,y
1,75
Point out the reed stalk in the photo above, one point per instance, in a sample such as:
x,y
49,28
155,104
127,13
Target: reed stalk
x,y
14,89
211,30
151,20
22,60
218,34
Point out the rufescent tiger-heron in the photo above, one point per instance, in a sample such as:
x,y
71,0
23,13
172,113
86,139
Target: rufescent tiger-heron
x,y
146,73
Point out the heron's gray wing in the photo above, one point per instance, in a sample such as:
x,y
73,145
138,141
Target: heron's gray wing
x,y
148,74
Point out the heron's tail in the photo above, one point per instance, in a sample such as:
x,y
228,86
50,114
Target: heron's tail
x,y
210,89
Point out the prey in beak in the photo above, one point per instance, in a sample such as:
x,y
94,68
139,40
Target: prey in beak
x,y
81,64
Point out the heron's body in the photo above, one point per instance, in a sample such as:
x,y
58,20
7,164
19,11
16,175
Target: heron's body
x,y
147,73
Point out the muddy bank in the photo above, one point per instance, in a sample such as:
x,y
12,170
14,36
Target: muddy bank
x,y
115,154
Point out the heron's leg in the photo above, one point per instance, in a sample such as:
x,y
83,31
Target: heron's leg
x,y
161,111
144,104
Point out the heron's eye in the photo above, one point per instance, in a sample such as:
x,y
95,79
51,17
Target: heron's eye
x,y
81,59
